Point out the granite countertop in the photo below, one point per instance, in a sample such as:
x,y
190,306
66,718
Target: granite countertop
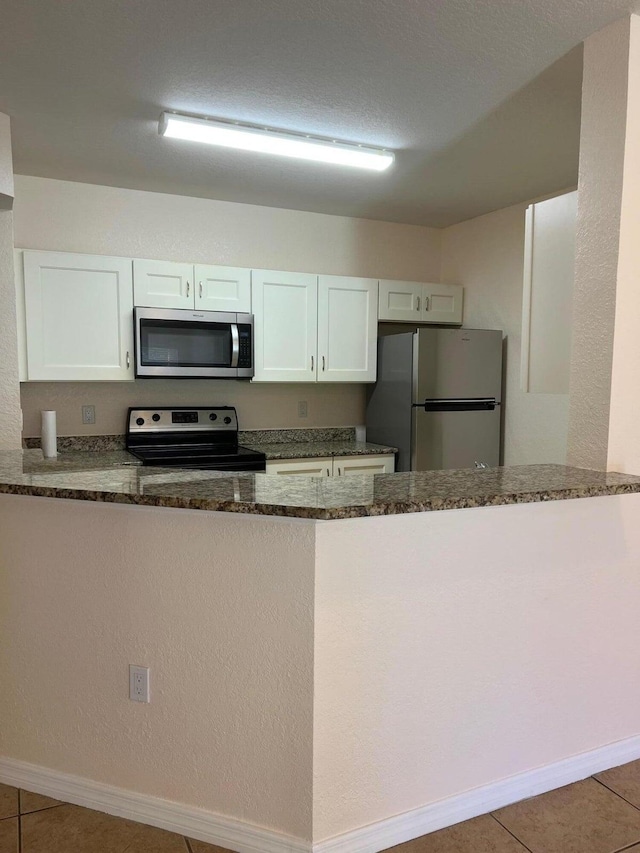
x,y
23,473
317,449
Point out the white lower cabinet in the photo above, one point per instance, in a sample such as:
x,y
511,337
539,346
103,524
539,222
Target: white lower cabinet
x,y
343,466
333,466
319,467
78,317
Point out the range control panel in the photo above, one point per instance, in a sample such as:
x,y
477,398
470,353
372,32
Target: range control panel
x,y
182,419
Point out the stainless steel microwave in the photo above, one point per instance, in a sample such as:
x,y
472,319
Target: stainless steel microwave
x,y
193,344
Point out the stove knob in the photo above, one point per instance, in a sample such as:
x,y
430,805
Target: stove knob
x,y
227,420
155,417
139,421
213,416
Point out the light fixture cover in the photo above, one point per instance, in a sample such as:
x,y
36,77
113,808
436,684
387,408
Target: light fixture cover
x,y
267,141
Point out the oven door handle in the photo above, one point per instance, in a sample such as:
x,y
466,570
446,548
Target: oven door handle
x,y
235,345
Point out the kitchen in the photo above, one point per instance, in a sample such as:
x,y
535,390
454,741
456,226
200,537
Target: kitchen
x,y
61,215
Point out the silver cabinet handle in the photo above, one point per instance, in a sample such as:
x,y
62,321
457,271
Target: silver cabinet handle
x,y
339,472
323,362
426,303
417,303
200,290
188,286
128,360
327,472
312,364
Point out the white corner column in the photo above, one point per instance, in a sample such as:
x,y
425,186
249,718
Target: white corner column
x,y
604,409
10,415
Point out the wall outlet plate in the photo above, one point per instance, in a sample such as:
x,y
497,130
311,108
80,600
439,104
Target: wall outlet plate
x,y
88,414
302,409
139,683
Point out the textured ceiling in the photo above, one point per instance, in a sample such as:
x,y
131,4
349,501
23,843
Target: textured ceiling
x,y
480,98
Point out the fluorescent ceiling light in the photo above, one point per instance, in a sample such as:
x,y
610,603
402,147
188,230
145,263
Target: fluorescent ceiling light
x,y
266,141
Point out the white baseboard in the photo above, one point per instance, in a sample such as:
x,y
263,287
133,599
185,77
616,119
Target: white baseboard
x,y
404,827
247,838
165,814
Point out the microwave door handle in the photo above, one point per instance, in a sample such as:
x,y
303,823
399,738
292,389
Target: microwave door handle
x,y
235,345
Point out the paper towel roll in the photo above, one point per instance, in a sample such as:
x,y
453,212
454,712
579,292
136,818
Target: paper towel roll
x,y
361,433
49,437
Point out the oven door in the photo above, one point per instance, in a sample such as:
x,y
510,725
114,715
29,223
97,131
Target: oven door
x,y
192,344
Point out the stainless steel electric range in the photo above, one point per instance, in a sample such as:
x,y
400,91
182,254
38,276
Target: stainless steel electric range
x,y
204,437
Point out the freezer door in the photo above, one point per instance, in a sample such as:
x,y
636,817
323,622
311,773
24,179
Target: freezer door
x,y
455,439
457,363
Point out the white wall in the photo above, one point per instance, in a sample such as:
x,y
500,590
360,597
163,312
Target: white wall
x,y
219,605
602,152
6,164
10,418
623,453
64,216
456,649
486,255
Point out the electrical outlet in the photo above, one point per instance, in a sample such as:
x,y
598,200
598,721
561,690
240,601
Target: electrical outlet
x,y
139,683
88,414
302,409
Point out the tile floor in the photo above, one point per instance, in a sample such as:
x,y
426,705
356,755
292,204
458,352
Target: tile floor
x,y
597,815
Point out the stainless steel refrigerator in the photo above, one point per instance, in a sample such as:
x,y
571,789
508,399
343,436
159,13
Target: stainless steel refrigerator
x,y
438,398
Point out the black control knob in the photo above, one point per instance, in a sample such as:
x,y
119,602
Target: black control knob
x,y
213,416
139,421
227,420
155,417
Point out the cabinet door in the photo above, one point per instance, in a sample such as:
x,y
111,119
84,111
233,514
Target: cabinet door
x,y
285,309
343,466
320,467
347,329
163,284
442,303
222,288
400,301
79,316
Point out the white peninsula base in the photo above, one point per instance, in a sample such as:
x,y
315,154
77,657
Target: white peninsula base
x,y
327,685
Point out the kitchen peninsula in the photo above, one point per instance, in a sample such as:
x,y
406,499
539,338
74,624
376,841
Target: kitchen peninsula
x,y
333,663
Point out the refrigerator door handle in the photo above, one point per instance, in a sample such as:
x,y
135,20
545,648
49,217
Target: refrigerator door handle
x,y
474,404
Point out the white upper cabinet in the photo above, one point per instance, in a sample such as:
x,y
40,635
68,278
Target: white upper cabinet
x,y
163,284
347,329
310,328
222,288
442,303
418,302
400,301
78,317
285,308
166,284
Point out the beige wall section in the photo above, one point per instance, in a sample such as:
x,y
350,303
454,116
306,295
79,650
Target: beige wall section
x,y
624,414
461,665
602,150
226,630
73,217
10,416
260,406
486,255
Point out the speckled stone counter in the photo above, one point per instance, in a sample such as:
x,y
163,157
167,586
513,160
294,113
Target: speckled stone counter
x,y
274,443
317,449
304,497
